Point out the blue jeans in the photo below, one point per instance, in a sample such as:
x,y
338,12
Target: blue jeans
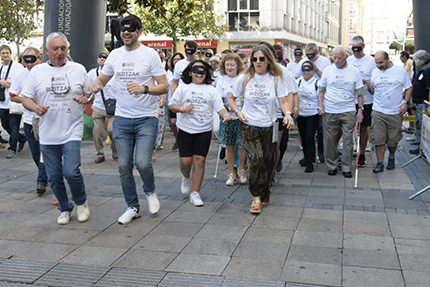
x,y
137,134
15,136
42,179
56,169
420,108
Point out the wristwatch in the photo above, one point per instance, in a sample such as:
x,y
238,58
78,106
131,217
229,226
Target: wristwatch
x,y
361,108
146,89
236,110
405,102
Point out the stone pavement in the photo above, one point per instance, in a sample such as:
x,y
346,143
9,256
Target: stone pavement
x,y
318,231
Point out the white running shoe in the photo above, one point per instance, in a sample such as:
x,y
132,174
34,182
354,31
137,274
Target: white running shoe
x,y
411,138
231,180
83,212
195,199
130,214
153,203
185,185
242,176
64,217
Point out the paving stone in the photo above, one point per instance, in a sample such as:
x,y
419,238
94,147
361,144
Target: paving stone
x,y
411,246
322,214
23,271
411,232
145,259
319,239
268,235
176,229
211,246
239,219
418,221
163,243
228,232
365,217
365,277
190,280
370,258
236,282
369,242
315,254
129,277
65,274
266,269
414,262
189,216
9,248
45,251
199,264
319,225
312,273
366,228
275,222
250,249
416,279
70,236
94,255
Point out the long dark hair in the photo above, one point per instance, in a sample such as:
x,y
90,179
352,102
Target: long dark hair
x,y
172,66
187,79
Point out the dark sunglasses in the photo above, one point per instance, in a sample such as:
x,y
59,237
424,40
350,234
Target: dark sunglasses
x,y
198,70
261,59
103,55
130,27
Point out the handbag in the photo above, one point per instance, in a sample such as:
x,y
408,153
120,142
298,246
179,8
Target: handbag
x,y
2,89
110,104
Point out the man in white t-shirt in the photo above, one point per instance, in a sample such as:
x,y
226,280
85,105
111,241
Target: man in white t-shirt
x,y
298,55
99,112
365,64
390,83
313,55
139,79
31,58
190,55
8,70
60,87
338,87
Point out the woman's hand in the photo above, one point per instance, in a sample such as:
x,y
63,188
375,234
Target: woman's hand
x,y
241,116
288,121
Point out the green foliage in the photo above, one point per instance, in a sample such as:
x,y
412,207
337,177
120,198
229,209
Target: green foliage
x,y
18,20
174,18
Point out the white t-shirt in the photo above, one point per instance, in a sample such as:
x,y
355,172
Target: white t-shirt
x,y
308,96
169,76
16,88
225,86
63,122
205,101
365,65
389,85
14,69
340,88
292,66
179,68
322,63
259,105
290,87
139,66
108,91
216,76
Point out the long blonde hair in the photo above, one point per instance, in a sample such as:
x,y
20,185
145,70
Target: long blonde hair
x,y
272,68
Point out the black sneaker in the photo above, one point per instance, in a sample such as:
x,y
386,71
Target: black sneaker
x,y
379,168
414,151
2,140
321,157
391,164
362,160
309,167
302,162
222,153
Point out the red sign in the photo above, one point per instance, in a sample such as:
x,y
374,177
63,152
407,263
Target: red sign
x,y
159,44
206,43
279,42
247,51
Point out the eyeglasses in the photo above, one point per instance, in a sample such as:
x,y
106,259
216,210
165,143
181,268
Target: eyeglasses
x,y
60,88
261,59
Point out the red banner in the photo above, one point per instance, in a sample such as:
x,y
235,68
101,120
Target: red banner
x,y
206,43
159,44
247,51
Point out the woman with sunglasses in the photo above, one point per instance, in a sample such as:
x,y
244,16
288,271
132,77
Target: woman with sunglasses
x,y
259,89
229,133
196,101
308,119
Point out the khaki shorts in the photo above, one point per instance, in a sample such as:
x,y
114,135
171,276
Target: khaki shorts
x,y
386,129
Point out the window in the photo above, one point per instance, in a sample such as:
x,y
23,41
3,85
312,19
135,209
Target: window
x,y
243,15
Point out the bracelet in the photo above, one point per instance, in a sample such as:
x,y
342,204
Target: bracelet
x,y
236,110
288,113
320,109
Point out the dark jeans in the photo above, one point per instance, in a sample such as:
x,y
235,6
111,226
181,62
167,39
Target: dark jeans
x,y
284,141
42,179
307,128
4,117
320,137
15,136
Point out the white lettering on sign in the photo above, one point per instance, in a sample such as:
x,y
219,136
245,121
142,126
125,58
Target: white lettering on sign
x,y
64,16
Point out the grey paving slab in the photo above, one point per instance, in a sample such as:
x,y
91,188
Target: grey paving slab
x,y
412,246
369,242
315,254
24,271
418,221
114,239
239,219
145,259
69,236
319,239
236,282
312,273
365,217
364,277
366,228
319,225
129,277
9,248
45,251
229,232
211,246
199,264
275,222
268,235
177,229
370,258
266,269
411,232
416,279
163,243
414,262
190,280
94,255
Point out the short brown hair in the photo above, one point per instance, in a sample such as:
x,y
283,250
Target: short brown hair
x,y
232,57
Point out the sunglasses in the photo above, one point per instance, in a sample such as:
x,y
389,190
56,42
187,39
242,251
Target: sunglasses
x,y
261,59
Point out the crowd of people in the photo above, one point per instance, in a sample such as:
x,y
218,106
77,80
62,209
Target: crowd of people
x,y
247,102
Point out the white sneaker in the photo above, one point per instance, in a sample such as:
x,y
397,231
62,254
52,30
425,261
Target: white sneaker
x,y
130,214
411,138
185,185
231,180
242,176
370,147
64,217
153,203
195,199
83,212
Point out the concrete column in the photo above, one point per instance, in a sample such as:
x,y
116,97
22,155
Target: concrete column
x,y
421,24
83,22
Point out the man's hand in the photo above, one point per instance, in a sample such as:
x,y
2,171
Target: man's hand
x,y
82,99
41,110
403,109
95,87
5,84
134,88
360,115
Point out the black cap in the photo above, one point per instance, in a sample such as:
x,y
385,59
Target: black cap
x,y
132,19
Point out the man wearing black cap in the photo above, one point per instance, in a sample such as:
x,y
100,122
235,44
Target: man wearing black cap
x,y
139,79
99,112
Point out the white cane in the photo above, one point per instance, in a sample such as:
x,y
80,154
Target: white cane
x,y
358,155
217,160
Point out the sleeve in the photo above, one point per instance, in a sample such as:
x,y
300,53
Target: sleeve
x,y
176,72
281,92
177,96
290,84
156,66
323,81
358,81
427,78
16,85
108,66
406,80
86,82
298,70
217,101
28,88
237,87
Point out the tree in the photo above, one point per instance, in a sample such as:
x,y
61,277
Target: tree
x,y
18,20
176,19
